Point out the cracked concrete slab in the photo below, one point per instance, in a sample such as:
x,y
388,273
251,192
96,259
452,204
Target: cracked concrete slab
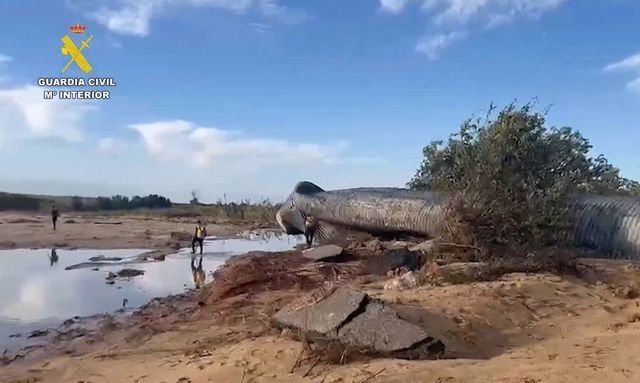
x,y
355,320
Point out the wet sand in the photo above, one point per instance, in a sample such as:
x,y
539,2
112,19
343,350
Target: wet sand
x,y
522,328
93,231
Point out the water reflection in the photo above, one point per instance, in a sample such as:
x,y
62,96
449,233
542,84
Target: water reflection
x,y
36,295
53,257
198,273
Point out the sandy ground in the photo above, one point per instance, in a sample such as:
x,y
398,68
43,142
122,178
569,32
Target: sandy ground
x,y
522,328
19,230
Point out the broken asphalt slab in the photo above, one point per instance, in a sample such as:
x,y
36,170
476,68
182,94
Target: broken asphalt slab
x,y
355,320
323,253
324,317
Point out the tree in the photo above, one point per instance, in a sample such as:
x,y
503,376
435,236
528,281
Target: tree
x,y
76,203
194,198
510,177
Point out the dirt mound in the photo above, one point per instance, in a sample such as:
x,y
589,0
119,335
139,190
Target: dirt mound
x,y
257,272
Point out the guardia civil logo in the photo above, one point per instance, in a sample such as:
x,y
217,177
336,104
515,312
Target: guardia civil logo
x,y
74,85
69,48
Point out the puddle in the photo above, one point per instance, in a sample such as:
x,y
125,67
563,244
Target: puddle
x,y
36,291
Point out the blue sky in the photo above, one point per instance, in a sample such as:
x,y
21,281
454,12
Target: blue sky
x,y
246,97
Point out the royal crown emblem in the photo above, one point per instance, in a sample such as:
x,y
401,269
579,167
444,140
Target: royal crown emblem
x,y
77,28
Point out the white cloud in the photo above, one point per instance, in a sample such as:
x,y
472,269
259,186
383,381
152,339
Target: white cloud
x,y
393,6
180,140
132,17
25,114
445,14
431,46
260,27
110,146
5,59
630,64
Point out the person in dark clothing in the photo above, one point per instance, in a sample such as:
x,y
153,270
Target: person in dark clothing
x,y
198,237
310,227
54,216
53,258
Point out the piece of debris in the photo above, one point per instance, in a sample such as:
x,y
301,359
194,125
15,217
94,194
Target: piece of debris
x,y
427,247
38,333
373,246
392,260
128,273
355,320
379,328
107,223
407,281
396,245
104,258
321,317
627,292
323,253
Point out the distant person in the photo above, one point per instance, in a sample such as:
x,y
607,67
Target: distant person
x,y
54,216
197,272
53,258
198,237
310,227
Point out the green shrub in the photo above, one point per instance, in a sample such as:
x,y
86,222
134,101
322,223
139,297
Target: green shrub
x,y
510,178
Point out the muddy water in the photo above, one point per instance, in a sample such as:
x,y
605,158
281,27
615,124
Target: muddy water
x,y
37,292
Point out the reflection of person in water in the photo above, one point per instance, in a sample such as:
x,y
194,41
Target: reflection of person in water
x,y
198,273
53,257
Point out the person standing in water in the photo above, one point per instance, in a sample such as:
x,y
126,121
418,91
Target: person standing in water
x,y
54,216
198,237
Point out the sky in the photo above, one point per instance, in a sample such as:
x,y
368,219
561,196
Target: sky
x,y
244,98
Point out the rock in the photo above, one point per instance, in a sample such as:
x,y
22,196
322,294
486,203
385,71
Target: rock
x,y
323,317
323,253
355,320
127,273
379,328
427,247
111,276
407,281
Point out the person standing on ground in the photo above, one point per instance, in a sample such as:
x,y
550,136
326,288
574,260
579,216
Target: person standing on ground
x,y
198,237
54,216
310,227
